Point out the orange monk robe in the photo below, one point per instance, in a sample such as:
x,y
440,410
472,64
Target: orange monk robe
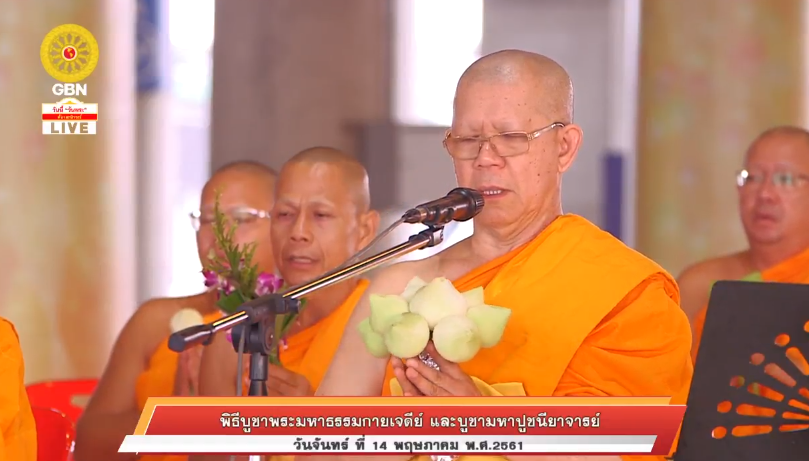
x,y
157,380
18,436
793,270
309,353
589,317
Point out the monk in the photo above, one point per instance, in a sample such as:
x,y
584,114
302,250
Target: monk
x,y
590,316
141,364
773,192
322,216
18,436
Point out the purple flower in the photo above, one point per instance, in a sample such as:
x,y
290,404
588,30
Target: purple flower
x,y
268,283
211,279
221,283
226,286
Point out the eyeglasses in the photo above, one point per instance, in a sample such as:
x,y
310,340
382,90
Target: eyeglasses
x,y
506,144
784,180
238,216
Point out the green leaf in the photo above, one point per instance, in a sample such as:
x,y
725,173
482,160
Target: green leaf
x,y
752,277
231,302
235,263
279,332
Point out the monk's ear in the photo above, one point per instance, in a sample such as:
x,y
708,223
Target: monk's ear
x,y
570,138
369,226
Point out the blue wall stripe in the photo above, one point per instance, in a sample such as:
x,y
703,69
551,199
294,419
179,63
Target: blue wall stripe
x,y
613,193
148,45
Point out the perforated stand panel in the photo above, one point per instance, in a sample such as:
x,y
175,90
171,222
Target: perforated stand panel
x,y
749,399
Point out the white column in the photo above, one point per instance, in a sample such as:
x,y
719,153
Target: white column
x,y
156,161
118,37
622,131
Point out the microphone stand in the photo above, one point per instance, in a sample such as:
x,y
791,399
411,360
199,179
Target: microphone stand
x,y
257,317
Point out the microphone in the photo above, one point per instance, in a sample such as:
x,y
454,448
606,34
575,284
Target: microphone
x,y
460,204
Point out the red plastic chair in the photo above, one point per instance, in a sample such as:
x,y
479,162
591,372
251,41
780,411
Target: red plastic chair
x,y
62,395
55,435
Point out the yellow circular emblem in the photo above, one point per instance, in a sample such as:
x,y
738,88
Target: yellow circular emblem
x,y
69,53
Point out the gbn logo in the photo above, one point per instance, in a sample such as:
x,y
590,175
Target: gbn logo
x,y
70,89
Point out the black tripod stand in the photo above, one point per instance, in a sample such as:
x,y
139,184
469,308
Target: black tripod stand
x,y
258,339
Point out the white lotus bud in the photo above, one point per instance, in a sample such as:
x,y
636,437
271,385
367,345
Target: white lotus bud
x,y
436,300
456,338
407,336
413,286
491,322
385,308
185,318
373,340
473,297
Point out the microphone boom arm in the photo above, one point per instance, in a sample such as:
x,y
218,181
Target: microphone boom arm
x,y
260,309
253,326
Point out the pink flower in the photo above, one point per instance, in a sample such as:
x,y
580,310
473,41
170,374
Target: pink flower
x,y
227,286
211,279
221,283
268,283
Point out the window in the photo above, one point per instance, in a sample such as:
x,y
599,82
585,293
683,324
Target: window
x,y
436,40
191,34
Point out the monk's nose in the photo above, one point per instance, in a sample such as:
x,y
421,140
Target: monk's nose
x,y
767,191
487,156
300,231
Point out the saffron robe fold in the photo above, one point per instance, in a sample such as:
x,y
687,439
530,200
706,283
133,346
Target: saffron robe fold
x,y
590,317
18,437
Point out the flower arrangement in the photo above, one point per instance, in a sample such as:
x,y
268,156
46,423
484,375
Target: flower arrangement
x,y
458,324
238,280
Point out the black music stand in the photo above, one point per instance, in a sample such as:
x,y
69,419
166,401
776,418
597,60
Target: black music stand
x,y
749,328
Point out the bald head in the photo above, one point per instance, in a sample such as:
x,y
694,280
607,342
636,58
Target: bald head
x,y
353,174
243,191
548,85
530,97
776,142
774,193
249,166
784,132
257,173
321,215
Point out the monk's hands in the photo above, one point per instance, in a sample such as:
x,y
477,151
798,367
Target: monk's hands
x,y
284,383
186,379
418,379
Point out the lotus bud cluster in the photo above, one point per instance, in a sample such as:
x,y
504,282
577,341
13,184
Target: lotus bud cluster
x,y
459,324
